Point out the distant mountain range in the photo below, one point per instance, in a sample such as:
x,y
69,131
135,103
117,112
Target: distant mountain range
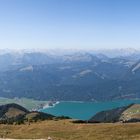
x,y
70,75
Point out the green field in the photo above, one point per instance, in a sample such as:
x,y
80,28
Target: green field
x,y
27,103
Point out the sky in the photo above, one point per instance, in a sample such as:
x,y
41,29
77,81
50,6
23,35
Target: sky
x,y
66,24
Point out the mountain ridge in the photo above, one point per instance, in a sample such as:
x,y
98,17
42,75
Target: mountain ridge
x,y
130,113
81,76
14,113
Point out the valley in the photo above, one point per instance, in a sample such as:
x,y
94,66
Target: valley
x,y
69,69
30,104
16,122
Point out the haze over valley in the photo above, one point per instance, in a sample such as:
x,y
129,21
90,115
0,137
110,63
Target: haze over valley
x,y
70,69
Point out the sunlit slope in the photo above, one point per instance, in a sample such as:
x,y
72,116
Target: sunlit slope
x,y
65,130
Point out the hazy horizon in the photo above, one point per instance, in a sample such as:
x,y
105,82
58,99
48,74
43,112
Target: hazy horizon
x,y
70,49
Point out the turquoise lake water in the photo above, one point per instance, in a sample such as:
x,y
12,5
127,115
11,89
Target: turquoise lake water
x,y
85,110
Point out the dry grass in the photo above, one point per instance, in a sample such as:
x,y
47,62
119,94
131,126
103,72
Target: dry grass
x,y
13,112
65,130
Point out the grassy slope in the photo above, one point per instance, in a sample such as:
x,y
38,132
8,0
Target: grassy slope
x,y
65,130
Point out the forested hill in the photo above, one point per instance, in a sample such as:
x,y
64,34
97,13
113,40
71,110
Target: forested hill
x,y
81,76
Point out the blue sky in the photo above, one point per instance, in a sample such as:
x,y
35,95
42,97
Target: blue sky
x,y
80,24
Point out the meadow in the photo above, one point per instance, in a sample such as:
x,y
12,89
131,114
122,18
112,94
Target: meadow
x,y
66,130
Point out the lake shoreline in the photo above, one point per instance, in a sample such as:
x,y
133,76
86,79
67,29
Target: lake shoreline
x,y
84,110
